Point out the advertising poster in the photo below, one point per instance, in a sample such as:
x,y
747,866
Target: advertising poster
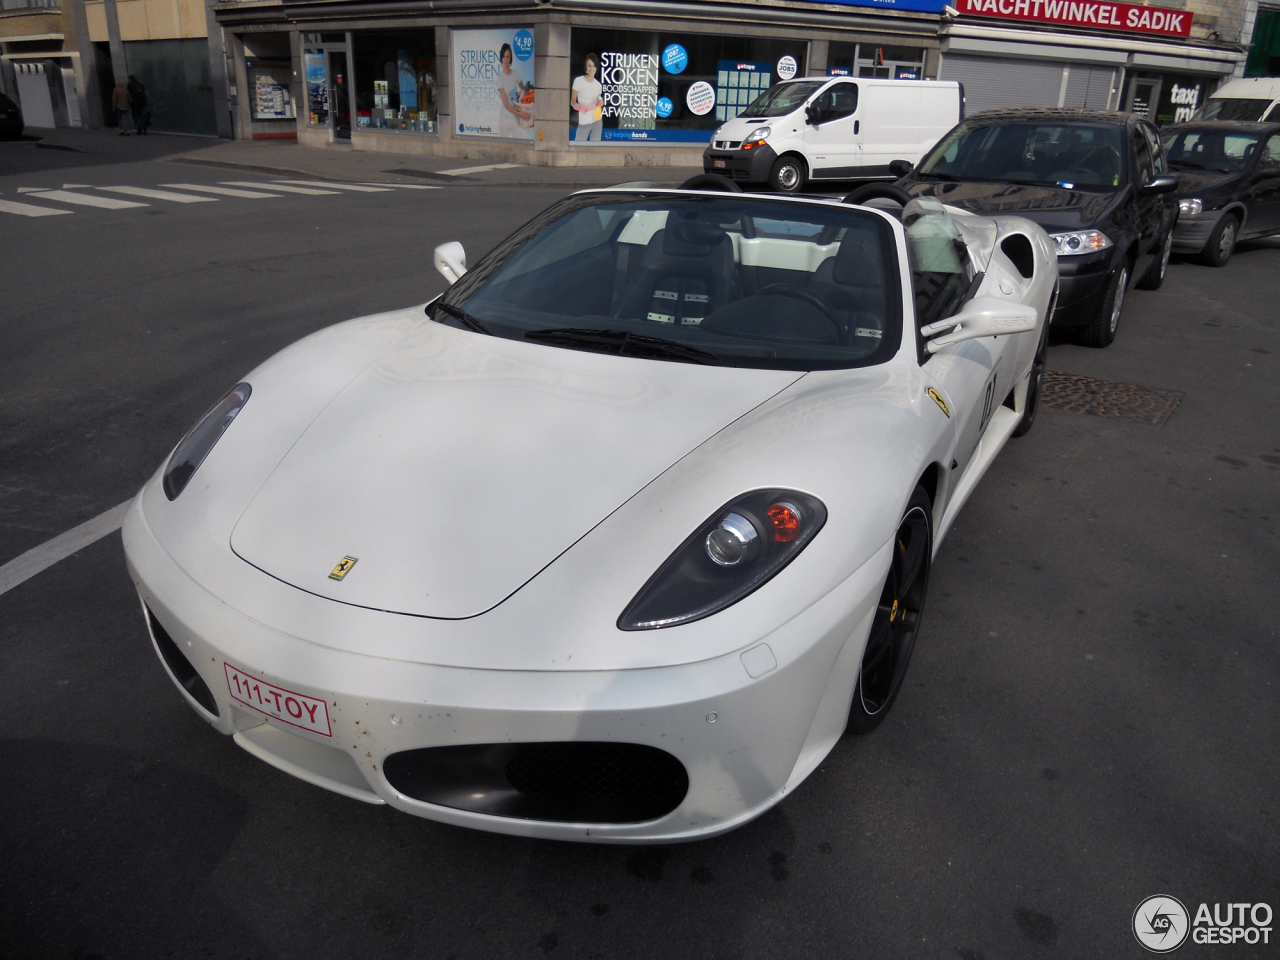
x,y
635,86
317,87
493,83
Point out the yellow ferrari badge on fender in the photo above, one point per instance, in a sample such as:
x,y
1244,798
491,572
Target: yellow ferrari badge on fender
x,y
343,568
937,398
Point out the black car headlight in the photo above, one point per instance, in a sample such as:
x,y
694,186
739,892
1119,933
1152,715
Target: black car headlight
x,y
741,547
195,446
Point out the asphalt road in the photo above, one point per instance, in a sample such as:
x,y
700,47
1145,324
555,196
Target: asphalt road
x,y
1090,717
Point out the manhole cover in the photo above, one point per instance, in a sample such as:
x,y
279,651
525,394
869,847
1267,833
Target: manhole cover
x,y
1106,398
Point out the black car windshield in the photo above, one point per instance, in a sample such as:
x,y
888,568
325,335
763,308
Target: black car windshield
x,y
1069,155
779,284
1232,108
781,99
1215,150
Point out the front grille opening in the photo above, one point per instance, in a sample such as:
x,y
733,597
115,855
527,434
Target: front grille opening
x,y
1018,249
181,667
574,782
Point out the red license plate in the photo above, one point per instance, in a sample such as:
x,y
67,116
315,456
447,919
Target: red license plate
x,y
719,164
288,706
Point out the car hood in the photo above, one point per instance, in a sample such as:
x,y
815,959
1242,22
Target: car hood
x,y
457,466
1053,208
1193,183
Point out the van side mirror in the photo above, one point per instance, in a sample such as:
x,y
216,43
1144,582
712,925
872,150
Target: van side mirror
x,y
451,260
1155,185
813,114
980,317
900,168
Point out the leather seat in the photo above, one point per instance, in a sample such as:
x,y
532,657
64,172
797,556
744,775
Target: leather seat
x,y
686,272
853,282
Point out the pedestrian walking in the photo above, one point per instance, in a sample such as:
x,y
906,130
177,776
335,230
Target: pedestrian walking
x,y
120,104
138,104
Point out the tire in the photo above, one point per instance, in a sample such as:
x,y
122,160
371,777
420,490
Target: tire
x,y
1222,242
1101,330
788,175
1154,277
1032,404
897,619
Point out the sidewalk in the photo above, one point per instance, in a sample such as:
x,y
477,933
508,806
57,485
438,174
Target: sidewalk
x,y
286,158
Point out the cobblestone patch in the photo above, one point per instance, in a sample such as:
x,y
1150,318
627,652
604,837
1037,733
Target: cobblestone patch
x,y
1107,398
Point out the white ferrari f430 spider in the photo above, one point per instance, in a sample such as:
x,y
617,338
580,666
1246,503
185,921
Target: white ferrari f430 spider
x,y
615,539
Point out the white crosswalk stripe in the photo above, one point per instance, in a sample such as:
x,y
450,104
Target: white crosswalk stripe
x,y
337,186
86,199
310,191
223,191
404,186
460,171
29,209
160,194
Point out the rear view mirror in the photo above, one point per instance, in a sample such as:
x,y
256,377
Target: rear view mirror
x,y
1165,184
451,260
900,168
980,317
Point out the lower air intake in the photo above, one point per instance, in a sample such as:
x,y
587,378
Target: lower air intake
x,y
574,782
181,667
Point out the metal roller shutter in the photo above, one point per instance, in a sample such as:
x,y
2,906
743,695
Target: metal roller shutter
x,y
1089,87
991,83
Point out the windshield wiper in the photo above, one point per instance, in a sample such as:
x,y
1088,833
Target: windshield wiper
x,y
939,176
1187,163
622,341
467,320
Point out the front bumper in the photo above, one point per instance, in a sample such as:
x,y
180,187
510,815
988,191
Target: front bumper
x,y
747,166
1190,234
1082,284
746,733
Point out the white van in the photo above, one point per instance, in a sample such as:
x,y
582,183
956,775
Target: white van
x,y
1254,99
833,128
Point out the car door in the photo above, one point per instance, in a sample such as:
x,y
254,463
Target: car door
x,y
1149,210
831,132
1264,211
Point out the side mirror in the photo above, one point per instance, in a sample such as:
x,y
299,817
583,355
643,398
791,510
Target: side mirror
x,y
813,114
900,168
451,260
1163,184
980,317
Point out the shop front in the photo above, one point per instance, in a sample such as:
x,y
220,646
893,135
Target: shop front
x,y
565,83
1095,55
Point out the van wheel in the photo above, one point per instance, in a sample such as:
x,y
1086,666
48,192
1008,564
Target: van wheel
x,y
788,175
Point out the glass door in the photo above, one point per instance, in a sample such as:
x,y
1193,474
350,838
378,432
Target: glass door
x,y
339,95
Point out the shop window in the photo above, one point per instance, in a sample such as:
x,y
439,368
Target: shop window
x,y
395,81
269,88
878,61
1264,54
642,87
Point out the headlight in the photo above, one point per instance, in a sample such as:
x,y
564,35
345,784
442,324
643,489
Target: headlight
x,y
1190,207
739,549
195,446
756,137
1080,241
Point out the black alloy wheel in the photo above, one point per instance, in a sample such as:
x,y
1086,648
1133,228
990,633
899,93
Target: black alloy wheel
x,y
897,618
1101,330
788,175
1222,242
1154,277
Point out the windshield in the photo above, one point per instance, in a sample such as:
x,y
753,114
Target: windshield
x,y
1231,108
701,279
781,99
1071,156
1210,150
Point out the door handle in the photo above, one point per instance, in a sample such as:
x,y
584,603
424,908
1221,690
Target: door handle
x,y
855,128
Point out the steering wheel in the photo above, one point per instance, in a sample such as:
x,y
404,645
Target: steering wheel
x,y
800,293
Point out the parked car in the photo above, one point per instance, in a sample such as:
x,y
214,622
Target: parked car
x,y
615,539
1253,98
836,128
11,124
1096,181
1229,185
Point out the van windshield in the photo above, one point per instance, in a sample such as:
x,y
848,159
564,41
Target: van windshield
x,y
1232,108
781,99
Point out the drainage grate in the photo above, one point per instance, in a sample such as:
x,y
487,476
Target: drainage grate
x,y
1106,398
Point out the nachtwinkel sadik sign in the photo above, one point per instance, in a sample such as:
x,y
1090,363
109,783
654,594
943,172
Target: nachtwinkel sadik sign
x,y
1085,13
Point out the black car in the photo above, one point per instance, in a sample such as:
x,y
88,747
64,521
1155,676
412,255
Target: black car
x,y
10,119
1229,184
1096,181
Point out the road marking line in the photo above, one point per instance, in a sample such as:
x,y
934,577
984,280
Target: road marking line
x,y
29,210
31,189
223,191
337,186
485,169
41,558
87,199
160,194
404,186
271,186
